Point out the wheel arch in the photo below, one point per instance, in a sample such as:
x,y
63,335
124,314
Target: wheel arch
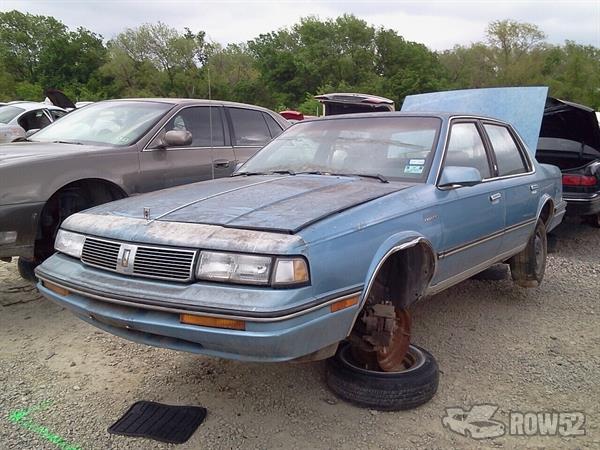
x,y
546,210
399,246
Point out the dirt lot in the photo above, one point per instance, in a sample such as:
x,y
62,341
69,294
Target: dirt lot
x,y
523,350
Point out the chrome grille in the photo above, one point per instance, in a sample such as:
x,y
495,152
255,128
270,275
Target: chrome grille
x,y
164,263
144,261
100,253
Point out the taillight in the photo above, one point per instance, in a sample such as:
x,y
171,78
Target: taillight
x,y
579,180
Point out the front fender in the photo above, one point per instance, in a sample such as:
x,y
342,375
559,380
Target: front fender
x,y
396,242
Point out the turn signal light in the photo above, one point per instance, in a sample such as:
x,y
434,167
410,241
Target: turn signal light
x,y
56,289
213,322
579,180
344,303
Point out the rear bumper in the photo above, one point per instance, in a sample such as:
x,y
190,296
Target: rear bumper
x,y
23,219
582,205
559,214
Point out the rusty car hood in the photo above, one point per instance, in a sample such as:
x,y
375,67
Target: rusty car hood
x,y
277,203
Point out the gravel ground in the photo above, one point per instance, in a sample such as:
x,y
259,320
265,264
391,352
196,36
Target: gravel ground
x,y
523,350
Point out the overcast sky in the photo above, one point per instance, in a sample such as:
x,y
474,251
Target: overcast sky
x,y
437,24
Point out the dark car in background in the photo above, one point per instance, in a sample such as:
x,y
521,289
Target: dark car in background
x,y
114,149
570,139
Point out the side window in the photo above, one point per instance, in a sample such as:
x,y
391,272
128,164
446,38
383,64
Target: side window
x,y
34,120
249,127
197,121
466,149
57,113
274,127
508,156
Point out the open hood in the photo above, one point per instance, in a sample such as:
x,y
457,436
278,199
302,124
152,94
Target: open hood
x,y
59,99
523,107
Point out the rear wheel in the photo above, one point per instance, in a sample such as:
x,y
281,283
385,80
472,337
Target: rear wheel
x,y
528,267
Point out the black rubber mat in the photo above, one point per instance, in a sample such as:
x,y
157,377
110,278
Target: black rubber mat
x,y
165,423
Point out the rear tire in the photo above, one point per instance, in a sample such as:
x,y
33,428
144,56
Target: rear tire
x,y
528,267
384,391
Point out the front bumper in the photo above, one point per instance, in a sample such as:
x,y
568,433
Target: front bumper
x,y
582,204
23,219
269,337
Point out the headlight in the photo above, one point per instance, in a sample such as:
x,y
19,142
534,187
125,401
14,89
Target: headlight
x,y
235,268
69,243
252,269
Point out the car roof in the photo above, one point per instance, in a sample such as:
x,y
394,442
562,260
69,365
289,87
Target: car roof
x,y
438,114
188,101
29,106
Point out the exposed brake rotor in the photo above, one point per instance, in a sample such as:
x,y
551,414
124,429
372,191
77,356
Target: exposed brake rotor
x,y
384,338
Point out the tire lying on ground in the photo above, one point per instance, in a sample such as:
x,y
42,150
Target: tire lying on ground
x,y
384,391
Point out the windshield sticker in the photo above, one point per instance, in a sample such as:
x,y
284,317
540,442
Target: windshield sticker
x,y
413,169
417,162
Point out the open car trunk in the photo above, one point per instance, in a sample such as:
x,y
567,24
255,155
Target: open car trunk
x,y
570,139
569,136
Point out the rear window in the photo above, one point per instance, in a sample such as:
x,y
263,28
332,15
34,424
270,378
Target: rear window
x,y
249,127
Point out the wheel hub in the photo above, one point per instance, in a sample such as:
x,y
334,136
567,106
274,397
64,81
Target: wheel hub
x,y
384,338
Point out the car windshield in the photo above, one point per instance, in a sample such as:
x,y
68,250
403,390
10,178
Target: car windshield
x,y
396,148
8,113
112,123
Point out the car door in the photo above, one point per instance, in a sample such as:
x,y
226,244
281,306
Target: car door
x,y
472,216
519,187
209,156
251,129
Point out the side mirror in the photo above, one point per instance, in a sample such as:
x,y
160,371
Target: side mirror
x,y
31,132
459,176
177,138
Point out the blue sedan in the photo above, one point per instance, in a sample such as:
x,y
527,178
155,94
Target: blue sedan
x,y
328,234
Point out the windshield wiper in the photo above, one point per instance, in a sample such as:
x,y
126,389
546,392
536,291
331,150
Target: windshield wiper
x,y
376,176
67,142
279,172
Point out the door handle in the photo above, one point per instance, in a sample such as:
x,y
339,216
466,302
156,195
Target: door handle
x,y
496,196
533,188
221,163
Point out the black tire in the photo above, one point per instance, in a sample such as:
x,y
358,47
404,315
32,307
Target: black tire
x,y
26,269
528,267
593,220
384,391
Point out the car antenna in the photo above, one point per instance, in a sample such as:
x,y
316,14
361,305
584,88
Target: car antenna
x,y
212,156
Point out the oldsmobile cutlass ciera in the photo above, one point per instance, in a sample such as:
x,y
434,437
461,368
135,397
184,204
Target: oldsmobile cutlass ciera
x,y
328,234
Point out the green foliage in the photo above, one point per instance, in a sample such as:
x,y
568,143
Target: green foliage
x,y
282,69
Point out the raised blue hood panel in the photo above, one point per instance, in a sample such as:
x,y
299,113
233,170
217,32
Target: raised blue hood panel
x,y
274,203
523,107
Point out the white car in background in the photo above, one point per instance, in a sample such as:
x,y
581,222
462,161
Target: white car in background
x,y
18,118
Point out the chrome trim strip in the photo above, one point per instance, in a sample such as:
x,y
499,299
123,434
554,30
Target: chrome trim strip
x,y
455,279
198,313
487,238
